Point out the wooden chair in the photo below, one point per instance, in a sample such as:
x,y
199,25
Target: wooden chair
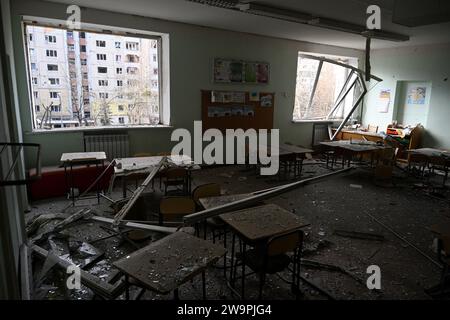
x,y
272,257
214,223
372,129
175,208
175,177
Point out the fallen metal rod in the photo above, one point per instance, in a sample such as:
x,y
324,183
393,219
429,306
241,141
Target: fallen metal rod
x,y
405,240
135,225
124,210
202,215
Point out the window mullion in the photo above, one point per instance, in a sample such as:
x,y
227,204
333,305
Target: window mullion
x,y
313,91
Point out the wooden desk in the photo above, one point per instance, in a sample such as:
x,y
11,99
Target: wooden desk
x,y
262,222
212,202
430,156
256,225
358,135
354,147
164,265
78,159
295,149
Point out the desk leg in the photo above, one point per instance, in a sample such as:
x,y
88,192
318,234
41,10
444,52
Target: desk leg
x,y
124,187
127,287
204,285
97,185
233,242
243,270
72,192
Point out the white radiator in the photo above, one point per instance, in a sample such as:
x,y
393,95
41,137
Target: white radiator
x,y
320,133
114,145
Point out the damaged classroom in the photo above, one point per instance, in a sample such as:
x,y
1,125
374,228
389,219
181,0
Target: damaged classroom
x,y
225,150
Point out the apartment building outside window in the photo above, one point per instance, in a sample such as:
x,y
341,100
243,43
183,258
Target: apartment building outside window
x,y
132,46
52,67
50,39
53,94
83,98
53,81
52,53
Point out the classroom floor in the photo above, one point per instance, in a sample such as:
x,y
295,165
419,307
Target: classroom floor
x,y
338,203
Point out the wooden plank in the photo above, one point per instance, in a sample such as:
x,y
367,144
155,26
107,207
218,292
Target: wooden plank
x,y
82,156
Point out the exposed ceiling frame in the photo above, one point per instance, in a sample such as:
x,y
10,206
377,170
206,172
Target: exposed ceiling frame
x,y
303,18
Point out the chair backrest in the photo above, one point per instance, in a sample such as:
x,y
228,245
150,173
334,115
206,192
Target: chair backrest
x,y
206,190
174,208
286,242
371,128
175,173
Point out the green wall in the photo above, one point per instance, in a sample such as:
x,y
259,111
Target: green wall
x,y
427,64
192,50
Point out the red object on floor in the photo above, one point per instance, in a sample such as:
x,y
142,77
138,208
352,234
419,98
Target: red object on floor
x,y
53,180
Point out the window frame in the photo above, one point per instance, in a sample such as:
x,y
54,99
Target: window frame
x,y
162,40
322,59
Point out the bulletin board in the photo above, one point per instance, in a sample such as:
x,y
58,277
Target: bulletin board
x,y
237,109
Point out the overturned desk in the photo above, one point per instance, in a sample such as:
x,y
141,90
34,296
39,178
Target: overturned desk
x,y
165,265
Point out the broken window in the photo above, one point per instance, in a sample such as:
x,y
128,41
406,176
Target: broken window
x,y
319,83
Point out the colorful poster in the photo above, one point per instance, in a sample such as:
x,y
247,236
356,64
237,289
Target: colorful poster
x,y
417,95
238,97
249,111
254,96
237,110
266,100
236,69
262,73
384,100
221,70
250,72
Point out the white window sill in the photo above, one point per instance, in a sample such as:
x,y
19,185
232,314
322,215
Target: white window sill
x,y
316,121
105,128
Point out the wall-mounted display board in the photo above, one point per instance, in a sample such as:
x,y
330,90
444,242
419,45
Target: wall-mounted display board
x,y
239,71
237,109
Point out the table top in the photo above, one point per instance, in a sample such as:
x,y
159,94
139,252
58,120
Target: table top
x,y
166,264
361,132
295,149
431,152
212,202
83,156
354,145
145,164
262,222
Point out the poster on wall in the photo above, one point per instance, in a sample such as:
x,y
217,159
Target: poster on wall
x,y
384,100
221,70
266,100
238,71
417,95
262,74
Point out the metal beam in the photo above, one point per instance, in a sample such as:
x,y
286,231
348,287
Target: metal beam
x,y
355,105
235,205
313,91
341,98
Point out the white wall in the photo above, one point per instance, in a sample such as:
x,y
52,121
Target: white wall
x,y
192,50
429,64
